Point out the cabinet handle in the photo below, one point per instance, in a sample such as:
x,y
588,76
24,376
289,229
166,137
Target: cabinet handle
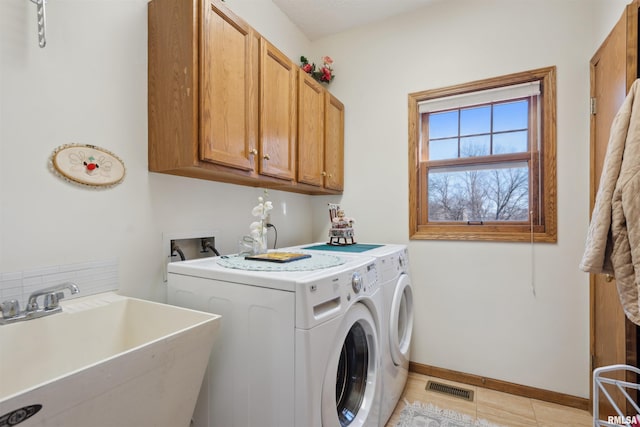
x,y
323,173
266,157
608,278
253,151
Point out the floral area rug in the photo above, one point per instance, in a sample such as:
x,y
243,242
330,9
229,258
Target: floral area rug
x,y
427,415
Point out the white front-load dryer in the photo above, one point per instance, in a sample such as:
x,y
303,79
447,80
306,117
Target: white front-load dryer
x,y
398,316
396,329
296,348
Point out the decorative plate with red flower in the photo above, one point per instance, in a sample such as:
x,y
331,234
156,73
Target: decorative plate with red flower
x,y
87,165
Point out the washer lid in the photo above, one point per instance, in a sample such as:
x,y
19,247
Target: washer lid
x,y
209,268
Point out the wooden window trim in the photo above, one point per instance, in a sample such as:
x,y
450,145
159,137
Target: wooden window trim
x,y
419,229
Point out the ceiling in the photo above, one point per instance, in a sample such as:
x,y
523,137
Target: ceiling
x,y
319,18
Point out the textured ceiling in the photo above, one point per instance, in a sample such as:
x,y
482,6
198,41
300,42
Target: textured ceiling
x,y
319,18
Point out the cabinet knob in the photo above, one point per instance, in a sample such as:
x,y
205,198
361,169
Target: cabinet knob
x,y
608,278
323,173
254,152
266,157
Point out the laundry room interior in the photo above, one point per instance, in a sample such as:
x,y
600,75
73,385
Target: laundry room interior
x,y
514,317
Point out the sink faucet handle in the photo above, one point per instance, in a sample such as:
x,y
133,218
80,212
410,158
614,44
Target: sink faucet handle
x,y
9,308
51,300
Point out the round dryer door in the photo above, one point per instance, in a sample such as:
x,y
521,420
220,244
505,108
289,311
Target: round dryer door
x,y
349,387
401,321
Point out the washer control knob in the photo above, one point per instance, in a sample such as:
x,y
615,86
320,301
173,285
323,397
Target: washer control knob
x,y
356,282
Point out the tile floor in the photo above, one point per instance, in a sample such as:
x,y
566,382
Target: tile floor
x,y
499,408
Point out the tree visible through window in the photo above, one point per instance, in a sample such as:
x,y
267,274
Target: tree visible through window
x,y
484,156
480,191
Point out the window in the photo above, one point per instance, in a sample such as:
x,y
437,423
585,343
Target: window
x,y
482,160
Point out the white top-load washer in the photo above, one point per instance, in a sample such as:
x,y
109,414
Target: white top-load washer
x,y
397,325
297,347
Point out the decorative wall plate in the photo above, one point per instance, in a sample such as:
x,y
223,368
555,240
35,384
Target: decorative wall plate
x,y
87,165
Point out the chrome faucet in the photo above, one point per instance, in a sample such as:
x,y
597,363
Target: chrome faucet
x,y
10,310
51,296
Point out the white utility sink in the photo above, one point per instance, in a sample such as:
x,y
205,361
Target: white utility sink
x,y
105,360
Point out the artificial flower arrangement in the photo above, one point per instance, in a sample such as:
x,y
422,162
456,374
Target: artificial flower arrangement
x,y
323,74
259,228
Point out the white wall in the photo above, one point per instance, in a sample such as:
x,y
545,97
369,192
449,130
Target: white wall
x,y
475,307
89,86
606,14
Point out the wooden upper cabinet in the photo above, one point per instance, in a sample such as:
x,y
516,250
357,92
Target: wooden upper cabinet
x,y
228,90
320,136
334,143
278,125
172,85
223,101
310,130
203,91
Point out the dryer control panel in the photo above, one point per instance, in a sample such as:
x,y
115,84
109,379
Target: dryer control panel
x,y
327,297
371,278
394,265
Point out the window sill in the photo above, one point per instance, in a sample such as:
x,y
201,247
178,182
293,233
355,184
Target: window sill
x,y
488,233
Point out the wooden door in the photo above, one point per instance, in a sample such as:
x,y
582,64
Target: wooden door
x,y
613,70
278,113
229,88
310,130
334,143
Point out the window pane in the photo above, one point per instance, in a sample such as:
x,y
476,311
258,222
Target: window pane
x,y
486,193
443,125
473,146
510,142
475,120
443,149
510,116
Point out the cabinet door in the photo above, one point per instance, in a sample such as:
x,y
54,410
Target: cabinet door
x,y
310,130
229,89
334,143
278,115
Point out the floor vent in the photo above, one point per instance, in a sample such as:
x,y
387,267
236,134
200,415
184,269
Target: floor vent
x,y
458,392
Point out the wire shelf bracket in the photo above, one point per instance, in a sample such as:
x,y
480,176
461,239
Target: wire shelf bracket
x,y
42,40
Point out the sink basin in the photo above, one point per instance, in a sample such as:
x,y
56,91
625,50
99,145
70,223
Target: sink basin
x,y
106,360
